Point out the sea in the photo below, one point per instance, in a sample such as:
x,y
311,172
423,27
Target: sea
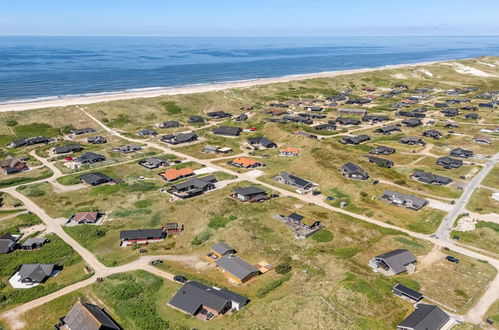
x,y
45,68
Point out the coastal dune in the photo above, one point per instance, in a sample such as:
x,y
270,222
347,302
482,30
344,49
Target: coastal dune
x,y
64,101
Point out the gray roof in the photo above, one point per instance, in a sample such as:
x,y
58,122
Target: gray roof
x,y
294,180
353,168
84,316
248,191
431,178
416,201
192,295
222,248
34,240
198,183
36,272
89,157
425,317
397,259
262,141
6,245
236,266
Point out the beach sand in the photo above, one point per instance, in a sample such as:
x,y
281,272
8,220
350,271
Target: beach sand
x,y
105,97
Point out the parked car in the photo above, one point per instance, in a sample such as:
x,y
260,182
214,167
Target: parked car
x,y
330,198
375,182
17,204
452,259
316,192
455,237
180,278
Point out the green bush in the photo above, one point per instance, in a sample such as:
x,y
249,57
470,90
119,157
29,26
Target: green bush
x,y
140,187
220,222
271,286
11,122
201,237
143,203
347,252
322,236
283,268
126,290
171,107
485,224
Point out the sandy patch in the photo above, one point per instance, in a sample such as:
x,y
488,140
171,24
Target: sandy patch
x,y
433,256
33,229
422,73
469,222
464,69
399,76
205,170
487,64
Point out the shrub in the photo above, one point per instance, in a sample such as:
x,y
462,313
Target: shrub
x,y
126,290
347,252
201,237
220,222
271,286
171,107
11,122
143,203
322,236
485,224
283,268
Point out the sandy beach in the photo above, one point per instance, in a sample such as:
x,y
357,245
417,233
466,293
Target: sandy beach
x,y
148,93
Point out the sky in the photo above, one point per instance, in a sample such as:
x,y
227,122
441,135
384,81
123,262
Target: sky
x,y
248,17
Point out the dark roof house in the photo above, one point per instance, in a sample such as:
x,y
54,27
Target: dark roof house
x,y
463,153
425,317
394,262
448,162
95,178
194,297
354,171
429,178
90,158
355,139
179,138
262,142
227,130
35,273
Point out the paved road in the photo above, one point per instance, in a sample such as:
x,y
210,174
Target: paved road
x,y
446,225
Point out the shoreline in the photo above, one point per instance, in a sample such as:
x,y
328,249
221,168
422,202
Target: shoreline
x,y
61,101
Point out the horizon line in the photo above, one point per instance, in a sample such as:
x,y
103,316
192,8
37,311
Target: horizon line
x,y
248,36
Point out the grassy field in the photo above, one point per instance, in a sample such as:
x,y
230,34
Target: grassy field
x,y
485,236
482,202
492,179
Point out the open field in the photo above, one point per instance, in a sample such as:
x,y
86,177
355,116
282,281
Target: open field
x,y
482,202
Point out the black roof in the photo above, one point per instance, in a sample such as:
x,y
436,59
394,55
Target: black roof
x,y
248,191
399,288
95,178
142,233
227,130
425,317
192,295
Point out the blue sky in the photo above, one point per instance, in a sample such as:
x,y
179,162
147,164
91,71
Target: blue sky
x,y
248,18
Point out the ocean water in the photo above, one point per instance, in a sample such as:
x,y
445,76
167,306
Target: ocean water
x,y
50,67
